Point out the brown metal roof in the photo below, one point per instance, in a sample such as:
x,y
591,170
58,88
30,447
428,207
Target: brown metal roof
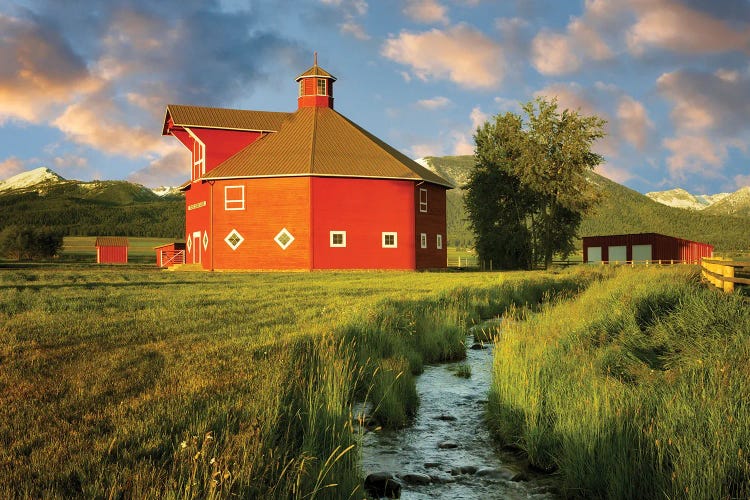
x,y
111,241
315,71
320,141
223,118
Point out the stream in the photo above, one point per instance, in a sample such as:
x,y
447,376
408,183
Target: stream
x,y
447,452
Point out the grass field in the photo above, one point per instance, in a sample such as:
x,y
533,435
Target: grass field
x,y
637,389
136,383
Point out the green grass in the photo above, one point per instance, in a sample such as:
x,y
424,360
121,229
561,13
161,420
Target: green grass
x,y
638,389
138,383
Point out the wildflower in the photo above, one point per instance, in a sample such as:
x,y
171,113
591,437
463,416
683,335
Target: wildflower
x,y
183,445
213,460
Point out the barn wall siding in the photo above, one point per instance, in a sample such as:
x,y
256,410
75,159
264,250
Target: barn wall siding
x,y
271,205
364,208
112,255
432,223
222,144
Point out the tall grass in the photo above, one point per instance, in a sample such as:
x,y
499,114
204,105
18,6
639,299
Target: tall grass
x,y
134,383
638,389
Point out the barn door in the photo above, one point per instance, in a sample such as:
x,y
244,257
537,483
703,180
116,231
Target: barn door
x,y
197,247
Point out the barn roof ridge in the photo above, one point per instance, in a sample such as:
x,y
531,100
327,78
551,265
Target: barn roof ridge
x,y
185,115
337,147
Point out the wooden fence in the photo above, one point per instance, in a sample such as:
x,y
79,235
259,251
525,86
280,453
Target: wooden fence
x,y
725,274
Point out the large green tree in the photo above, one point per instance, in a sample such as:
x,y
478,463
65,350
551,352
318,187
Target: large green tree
x,y
528,191
24,242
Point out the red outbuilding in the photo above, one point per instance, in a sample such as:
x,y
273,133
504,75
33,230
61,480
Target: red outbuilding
x,y
111,250
170,254
304,190
643,248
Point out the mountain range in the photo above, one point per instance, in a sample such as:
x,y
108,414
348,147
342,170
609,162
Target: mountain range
x,y
40,197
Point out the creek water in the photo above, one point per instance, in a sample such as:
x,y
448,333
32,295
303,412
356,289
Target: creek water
x,y
451,410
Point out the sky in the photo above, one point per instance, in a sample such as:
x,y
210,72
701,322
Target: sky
x,y
84,83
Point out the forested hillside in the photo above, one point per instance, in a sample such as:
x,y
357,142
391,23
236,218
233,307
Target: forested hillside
x,y
116,208
622,210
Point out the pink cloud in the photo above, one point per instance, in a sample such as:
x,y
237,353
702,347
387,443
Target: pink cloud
x,y
614,173
554,54
460,54
426,11
10,167
671,25
694,154
434,103
38,70
169,170
742,180
635,125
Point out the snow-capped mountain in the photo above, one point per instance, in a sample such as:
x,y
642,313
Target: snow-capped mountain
x,y
737,203
679,198
41,175
166,190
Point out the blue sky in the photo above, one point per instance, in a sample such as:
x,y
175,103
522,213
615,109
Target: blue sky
x,y
84,84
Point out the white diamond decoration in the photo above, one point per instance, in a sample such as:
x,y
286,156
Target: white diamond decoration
x,y
284,239
234,239
190,244
205,240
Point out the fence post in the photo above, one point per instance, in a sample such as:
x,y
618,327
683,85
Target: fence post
x,y
728,272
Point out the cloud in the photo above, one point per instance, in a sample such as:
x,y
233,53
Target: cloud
x,y
350,11
460,54
426,11
434,103
421,150
356,30
709,115
673,26
477,117
38,70
10,167
635,124
742,180
170,169
614,173
554,54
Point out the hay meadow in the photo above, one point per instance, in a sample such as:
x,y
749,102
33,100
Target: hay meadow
x,y
127,382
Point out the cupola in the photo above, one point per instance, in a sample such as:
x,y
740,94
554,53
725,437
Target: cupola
x,y
315,87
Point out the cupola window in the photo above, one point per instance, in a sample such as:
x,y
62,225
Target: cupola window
x,y
322,87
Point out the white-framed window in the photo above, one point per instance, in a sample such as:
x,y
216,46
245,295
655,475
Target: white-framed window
x,y
284,239
338,238
423,240
390,240
234,197
322,87
234,239
302,87
422,200
199,158
439,241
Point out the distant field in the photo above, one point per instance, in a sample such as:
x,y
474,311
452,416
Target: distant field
x,y
141,250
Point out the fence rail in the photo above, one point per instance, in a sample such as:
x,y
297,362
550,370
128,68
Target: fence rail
x,y
723,274
171,257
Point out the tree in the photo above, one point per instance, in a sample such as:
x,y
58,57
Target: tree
x,y
528,192
23,242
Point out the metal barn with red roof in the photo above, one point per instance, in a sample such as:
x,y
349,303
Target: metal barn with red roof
x,y
304,190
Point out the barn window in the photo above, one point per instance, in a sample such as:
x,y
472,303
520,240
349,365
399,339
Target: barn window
x,y
284,239
302,87
234,197
422,200
390,240
321,87
338,238
423,240
233,239
199,158
439,241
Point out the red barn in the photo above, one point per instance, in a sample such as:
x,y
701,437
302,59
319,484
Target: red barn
x,y
643,247
111,250
304,190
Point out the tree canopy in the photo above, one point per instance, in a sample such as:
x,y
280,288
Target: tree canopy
x,y
528,191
